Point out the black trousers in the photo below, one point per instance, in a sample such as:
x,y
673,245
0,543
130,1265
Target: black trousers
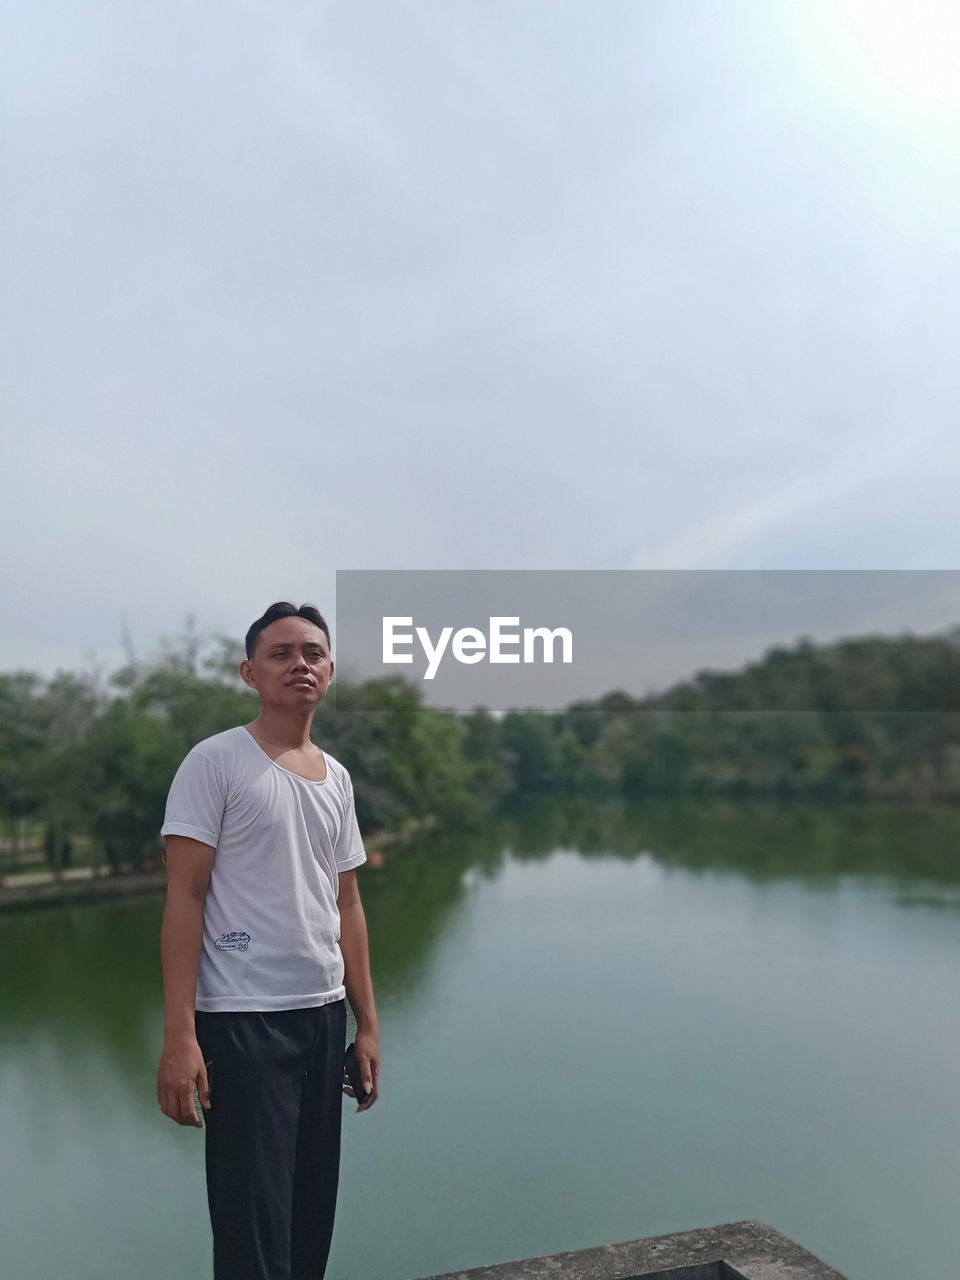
x,y
273,1139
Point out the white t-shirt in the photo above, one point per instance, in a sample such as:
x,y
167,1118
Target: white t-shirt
x,y
270,920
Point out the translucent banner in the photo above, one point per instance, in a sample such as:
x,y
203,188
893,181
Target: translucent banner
x,y
507,639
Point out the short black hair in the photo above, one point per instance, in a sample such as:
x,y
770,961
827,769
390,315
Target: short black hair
x,y
284,609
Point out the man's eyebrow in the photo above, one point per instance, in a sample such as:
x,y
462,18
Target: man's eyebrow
x,y
308,644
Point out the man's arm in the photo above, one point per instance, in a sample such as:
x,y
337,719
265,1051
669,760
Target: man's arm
x,y
355,948
189,863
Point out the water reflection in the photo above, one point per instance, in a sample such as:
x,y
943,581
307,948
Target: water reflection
x,y
91,973
762,840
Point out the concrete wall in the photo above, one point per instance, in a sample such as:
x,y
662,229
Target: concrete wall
x,y
734,1251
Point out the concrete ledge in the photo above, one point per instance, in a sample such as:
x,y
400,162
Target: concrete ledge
x,y
734,1251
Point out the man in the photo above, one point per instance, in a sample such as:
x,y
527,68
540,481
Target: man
x,y
263,939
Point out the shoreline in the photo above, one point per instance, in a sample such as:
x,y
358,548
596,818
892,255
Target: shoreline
x,y
51,892
86,884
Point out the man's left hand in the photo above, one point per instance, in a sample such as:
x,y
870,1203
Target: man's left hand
x,y
368,1055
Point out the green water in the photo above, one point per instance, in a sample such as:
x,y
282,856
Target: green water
x,y
598,1024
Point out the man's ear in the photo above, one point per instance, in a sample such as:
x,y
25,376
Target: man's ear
x,y
246,673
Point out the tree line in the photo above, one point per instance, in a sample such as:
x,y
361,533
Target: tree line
x,y
83,757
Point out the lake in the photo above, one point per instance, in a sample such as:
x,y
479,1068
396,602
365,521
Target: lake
x,y
599,1022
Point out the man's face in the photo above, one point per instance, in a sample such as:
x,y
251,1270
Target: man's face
x,y
291,665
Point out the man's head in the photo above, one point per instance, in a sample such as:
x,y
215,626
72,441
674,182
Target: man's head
x,y
288,658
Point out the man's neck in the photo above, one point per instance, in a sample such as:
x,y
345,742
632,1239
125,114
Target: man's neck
x,y
282,729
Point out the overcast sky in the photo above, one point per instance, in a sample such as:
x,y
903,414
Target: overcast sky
x,y
292,287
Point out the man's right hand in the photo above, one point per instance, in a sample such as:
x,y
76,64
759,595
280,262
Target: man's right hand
x,y
182,1067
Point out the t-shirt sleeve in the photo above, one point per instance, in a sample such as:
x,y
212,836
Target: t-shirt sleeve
x,y
349,851
195,801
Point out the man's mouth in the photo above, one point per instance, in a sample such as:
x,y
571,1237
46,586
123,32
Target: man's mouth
x,y
303,681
